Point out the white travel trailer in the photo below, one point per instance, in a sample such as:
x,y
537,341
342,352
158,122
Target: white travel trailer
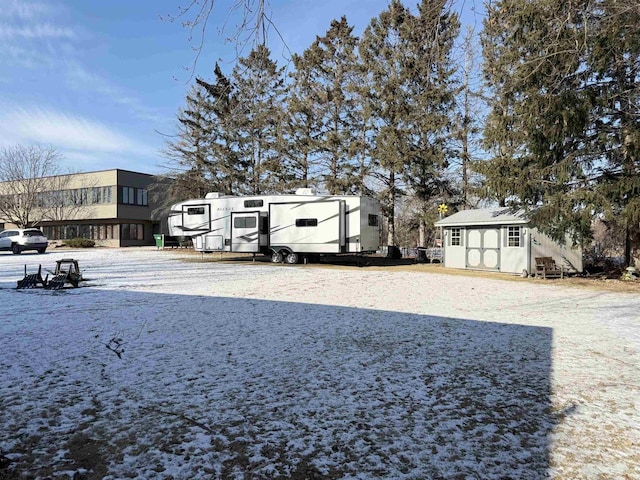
x,y
287,227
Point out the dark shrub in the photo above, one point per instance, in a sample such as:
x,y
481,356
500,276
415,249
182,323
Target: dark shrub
x,y
79,243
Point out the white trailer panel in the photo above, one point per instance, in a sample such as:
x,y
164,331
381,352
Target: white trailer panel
x,y
308,227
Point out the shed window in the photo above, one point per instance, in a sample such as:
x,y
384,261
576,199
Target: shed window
x,y
456,237
373,220
306,222
513,237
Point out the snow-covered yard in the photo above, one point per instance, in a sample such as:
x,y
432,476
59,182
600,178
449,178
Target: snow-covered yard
x,y
260,371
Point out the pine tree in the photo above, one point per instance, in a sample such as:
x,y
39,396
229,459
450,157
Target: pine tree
x,y
189,151
302,125
336,63
228,169
383,49
614,58
539,120
258,116
431,89
567,101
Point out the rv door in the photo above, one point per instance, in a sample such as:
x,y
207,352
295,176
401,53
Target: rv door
x,y
244,232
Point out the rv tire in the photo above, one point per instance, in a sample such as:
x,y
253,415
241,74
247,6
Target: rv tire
x,y
276,257
291,258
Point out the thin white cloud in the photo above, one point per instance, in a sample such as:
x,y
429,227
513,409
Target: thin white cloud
x,y
78,78
35,32
23,9
31,37
66,132
28,57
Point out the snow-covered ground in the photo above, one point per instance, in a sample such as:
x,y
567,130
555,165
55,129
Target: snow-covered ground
x,y
261,371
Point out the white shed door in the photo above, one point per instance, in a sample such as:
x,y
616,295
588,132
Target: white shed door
x,y
483,248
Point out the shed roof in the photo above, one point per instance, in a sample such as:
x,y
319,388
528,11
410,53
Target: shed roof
x,y
485,216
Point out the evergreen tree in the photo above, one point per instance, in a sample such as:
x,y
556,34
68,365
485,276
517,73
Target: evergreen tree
x,y
258,117
503,133
539,120
302,125
383,49
614,59
335,62
431,89
189,150
567,104
204,150
227,167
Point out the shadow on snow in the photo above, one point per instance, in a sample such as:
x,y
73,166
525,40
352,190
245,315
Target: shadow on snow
x,y
125,384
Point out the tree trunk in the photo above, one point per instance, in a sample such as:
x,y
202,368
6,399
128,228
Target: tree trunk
x,y
627,246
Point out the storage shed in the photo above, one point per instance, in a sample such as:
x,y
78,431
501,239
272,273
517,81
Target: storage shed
x,y
501,240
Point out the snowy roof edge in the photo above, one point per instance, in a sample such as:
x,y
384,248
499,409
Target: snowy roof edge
x,y
485,216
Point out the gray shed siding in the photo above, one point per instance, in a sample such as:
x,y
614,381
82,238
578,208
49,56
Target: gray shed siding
x,y
500,240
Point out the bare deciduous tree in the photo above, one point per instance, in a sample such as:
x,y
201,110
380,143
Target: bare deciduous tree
x,y
251,29
60,201
25,173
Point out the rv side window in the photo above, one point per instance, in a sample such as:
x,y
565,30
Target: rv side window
x,y
373,220
456,235
244,222
306,222
195,211
253,203
513,236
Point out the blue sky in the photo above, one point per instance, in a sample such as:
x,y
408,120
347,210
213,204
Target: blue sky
x,y
101,81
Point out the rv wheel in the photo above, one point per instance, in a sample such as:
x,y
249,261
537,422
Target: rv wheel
x,y
291,258
276,257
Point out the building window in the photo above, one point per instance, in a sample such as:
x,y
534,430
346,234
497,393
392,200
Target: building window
x,y
513,237
132,231
142,195
101,195
253,203
106,194
244,222
456,237
135,196
92,231
79,196
128,195
306,222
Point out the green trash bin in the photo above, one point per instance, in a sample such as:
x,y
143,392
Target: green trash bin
x,y
159,238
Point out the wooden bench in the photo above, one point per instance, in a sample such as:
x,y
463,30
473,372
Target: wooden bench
x,y
547,268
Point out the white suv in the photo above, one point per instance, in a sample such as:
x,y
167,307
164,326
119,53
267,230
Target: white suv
x,y
20,239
